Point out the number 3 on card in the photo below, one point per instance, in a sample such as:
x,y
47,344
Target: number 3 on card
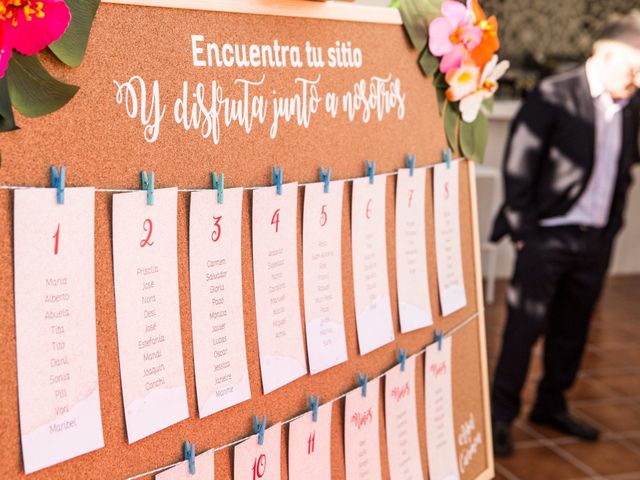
x,y
215,234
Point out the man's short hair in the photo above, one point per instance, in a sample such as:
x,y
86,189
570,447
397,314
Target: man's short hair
x,y
623,28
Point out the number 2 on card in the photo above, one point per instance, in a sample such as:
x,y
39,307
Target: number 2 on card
x,y
147,225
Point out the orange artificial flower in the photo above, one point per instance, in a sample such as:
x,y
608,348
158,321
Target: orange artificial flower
x,y
489,44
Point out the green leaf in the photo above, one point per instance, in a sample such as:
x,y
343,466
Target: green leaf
x,y
395,4
70,48
416,15
32,90
428,63
451,123
473,138
441,87
7,122
487,105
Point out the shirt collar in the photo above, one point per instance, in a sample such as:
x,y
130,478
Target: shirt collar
x,y
596,87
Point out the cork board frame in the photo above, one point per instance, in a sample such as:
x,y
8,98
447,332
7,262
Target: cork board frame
x,y
101,146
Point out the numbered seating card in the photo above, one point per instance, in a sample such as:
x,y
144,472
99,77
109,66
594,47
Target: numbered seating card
x,y
215,266
322,269
441,446
252,461
411,251
145,264
310,446
204,469
369,255
55,313
362,433
275,272
403,445
448,249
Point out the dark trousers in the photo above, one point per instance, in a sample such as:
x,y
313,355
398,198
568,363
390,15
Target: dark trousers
x,y
555,286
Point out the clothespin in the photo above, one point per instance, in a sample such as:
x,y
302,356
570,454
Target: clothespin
x,y
313,406
218,184
326,178
371,170
362,380
57,182
411,162
446,156
147,184
437,337
258,427
190,455
277,179
402,357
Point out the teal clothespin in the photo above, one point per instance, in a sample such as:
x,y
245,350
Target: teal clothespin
x,y
147,184
411,162
313,406
402,358
371,170
446,156
57,182
218,184
437,337
277,179
326,178
362,380
190,455
258,427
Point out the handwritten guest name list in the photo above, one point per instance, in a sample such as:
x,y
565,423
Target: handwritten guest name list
x,y
145,264
275,274
56,325
215,266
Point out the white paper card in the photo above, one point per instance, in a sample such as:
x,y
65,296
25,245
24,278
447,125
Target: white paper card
x,y
411,251
322,274
441,446
252,461
403,445
362,433
448,249
369,255
215,267
275,273
56,326
204,469
145,263
310,446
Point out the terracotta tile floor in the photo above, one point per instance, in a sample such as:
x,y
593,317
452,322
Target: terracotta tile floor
x,y
606,394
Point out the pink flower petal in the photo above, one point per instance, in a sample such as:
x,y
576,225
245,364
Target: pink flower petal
x,y
439,33
30,36
456,13
5,55
451,60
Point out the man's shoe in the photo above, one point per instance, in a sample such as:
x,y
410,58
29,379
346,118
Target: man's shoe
x,y
566,423
502,440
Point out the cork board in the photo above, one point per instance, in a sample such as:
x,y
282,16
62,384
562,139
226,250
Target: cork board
x,y
101,145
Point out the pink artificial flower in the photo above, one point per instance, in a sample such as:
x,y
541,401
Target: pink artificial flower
x,y
453,35
29,26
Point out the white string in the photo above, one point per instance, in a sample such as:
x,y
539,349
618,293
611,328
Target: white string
x,y
124,190
285,422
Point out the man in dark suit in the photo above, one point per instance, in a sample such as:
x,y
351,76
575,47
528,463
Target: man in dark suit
x,y
567,171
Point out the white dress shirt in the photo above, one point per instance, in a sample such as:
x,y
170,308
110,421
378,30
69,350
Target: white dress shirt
x,y
594,205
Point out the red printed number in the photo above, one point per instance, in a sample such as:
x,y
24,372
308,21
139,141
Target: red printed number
x,y
368,211
259,466
275,220
217,231
446,190
57,242
147,226
410,196
323,216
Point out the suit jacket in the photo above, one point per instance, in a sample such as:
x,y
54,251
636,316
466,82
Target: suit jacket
x,y
550,156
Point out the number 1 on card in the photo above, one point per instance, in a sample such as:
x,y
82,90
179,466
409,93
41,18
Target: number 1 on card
x,y
57,240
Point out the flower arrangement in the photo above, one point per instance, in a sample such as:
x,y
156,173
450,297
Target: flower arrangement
x,y
458,45
27,27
